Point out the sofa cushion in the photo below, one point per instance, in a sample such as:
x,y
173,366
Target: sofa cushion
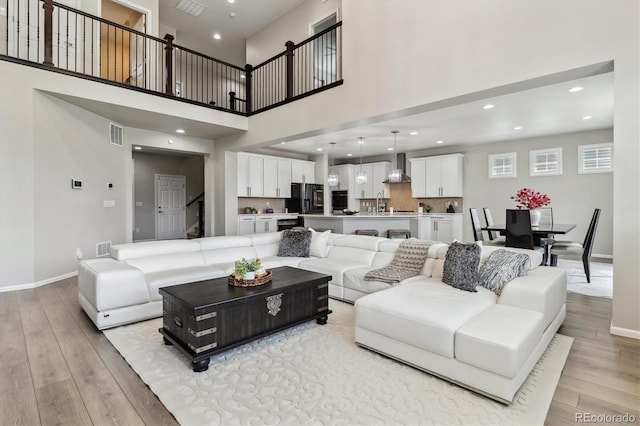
x,y
461,266
331,266
156,280
166,262
502,267
153,248
295,243
499,339
319,241
230,254
355,280
424,313
359,242
224,242
266,244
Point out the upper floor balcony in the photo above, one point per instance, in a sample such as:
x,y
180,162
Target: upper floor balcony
x,y
56,37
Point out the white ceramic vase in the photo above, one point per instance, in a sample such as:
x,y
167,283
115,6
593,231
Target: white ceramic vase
x,y
250,275
535,217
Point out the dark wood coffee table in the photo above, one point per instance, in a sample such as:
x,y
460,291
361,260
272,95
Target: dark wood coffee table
x,y
207,317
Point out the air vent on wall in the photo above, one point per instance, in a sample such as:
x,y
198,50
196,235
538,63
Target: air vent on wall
x,y
103,248
115,134
191,7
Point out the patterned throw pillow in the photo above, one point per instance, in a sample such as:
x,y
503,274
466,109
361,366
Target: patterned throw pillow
x,y
461,266
295,243
500,268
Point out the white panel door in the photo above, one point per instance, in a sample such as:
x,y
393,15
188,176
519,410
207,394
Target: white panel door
x,y
170,195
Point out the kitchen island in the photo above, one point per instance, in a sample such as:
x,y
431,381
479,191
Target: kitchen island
x,y
429,226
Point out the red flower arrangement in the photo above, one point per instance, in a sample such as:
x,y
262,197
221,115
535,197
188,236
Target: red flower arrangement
x,y
527,198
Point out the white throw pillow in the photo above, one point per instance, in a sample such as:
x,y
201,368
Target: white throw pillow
x,y
319,242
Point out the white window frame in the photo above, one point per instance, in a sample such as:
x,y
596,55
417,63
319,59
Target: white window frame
x,y
532,161
581,151
502,156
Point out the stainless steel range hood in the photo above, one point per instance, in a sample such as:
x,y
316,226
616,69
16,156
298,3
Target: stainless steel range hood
x,y
401,160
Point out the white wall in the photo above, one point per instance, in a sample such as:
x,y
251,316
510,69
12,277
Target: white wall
x,y
293,26
443,53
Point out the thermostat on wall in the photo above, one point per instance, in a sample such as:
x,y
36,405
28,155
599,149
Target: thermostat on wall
x,y
76,184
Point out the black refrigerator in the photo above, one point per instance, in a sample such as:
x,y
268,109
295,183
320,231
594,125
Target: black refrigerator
x,y
306,198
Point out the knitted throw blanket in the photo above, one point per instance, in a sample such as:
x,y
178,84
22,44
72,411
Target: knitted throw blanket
x,y
407,262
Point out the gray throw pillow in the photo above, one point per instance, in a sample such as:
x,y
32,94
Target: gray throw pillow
x,y
295,243
461,266
501,267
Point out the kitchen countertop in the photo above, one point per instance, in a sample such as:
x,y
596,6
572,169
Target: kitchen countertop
x,y
276,215
379,216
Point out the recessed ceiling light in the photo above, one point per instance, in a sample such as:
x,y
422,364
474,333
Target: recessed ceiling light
x,y
390,149
488,106
575,89
517,128
318,149
217,36
179,130
137,148
587,117
231,1
413,133
349,155
439,142
282,143
170,141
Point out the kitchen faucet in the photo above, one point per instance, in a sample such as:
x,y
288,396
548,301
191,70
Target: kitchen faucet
x,y
378,197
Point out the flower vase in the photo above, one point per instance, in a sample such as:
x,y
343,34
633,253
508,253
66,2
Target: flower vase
x,y
250,275
535,217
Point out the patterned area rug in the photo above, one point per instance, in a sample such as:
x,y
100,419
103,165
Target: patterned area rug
x,y
601,284
313,374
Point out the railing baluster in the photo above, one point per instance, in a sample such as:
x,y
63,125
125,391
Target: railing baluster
x,y
48,32
168,89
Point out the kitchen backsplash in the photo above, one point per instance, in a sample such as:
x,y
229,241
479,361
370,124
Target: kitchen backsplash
x,y
400,199
260,204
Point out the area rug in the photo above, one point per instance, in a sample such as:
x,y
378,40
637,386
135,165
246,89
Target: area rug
x,y
601,284
316,374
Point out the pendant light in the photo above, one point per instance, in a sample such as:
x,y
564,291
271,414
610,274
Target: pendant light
x,y
361,176
332,179
395,175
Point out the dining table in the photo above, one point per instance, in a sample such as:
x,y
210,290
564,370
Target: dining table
x,y
542,234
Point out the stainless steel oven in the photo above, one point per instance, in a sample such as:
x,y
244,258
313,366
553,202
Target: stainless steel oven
x,y
339,201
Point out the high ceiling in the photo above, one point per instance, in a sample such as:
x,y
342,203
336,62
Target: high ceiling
x,y
542,111
249,16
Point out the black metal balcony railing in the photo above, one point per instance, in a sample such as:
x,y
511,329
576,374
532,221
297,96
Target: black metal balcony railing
x,y
60,38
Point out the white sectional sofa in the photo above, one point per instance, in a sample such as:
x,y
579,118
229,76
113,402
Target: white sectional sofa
x,y
482,341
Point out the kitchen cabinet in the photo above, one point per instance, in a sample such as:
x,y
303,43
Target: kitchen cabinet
x,y
263,176
277,177
376,173
246,225
266,224
445,228
346,177
250,175
437,176
303,171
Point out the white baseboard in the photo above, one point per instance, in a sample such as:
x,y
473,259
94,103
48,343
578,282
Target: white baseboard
x,y
602,256
624,332
39,283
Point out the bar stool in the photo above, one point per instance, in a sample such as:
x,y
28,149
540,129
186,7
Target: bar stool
x,y
398,233
371,232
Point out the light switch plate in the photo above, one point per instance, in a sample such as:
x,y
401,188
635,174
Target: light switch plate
x,y
109,203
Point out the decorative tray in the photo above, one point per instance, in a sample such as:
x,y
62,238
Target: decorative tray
x,y
266,278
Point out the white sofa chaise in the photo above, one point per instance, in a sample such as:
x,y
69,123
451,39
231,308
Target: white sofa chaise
x,y
479,340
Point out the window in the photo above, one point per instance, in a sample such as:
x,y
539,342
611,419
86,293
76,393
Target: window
x,y
596,158
545,162
502,165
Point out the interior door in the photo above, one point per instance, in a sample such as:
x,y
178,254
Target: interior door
x,y
170,199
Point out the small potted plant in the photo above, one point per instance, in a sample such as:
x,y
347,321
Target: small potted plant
x,y
248,269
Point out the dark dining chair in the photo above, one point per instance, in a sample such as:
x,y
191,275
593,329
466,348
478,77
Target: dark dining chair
x,y
575,250
518,232
489,219
477,230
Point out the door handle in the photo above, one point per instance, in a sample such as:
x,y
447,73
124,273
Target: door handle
x,y
160,211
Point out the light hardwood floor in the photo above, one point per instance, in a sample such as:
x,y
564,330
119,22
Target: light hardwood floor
x,y
56,368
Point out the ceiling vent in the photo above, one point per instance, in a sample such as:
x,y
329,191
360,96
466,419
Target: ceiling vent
x,y
115,134
191,7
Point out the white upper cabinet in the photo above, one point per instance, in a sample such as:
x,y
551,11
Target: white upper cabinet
x,y
263,176
376,173
303,171
346,177
250,175
438,176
